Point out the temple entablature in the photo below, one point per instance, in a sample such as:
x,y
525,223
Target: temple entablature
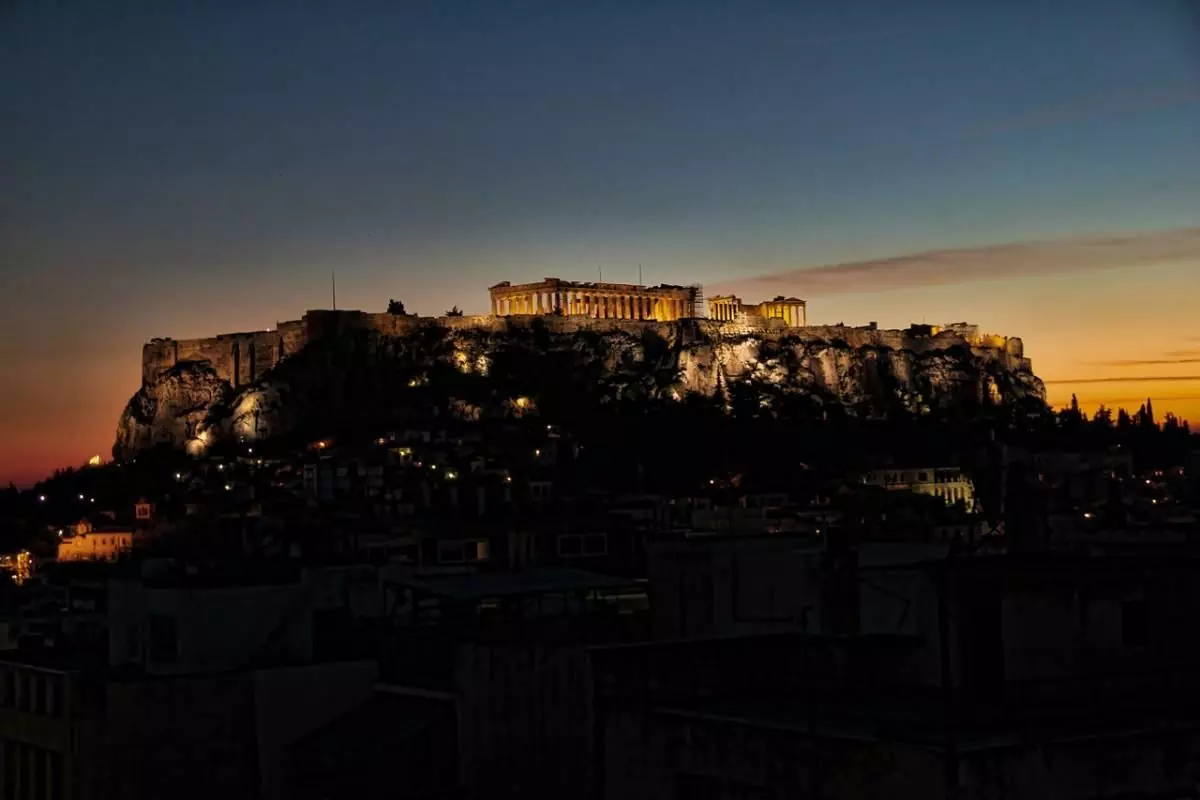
x,y
662,303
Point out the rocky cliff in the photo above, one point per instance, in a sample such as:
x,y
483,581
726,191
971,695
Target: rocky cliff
x,y
476,369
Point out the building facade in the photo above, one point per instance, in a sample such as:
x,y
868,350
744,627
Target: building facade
x,y
951,484
662,303
91,543
730,308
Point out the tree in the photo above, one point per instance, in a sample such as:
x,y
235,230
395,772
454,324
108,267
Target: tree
x,y
1102,419
396,307
1147,420
454,312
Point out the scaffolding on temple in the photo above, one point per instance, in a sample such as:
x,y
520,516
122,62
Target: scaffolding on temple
x,y
698,310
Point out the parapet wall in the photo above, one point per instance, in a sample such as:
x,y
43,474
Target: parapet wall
x,y
242,358
239,358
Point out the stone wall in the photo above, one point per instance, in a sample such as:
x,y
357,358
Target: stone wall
x,y
238,358
243,358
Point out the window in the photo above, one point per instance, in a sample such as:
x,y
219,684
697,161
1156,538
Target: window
x,y
571,545
465,552
1135,623
164,644
50,699
712,787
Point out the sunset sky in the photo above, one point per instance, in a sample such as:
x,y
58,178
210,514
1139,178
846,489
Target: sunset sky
x,y
188,168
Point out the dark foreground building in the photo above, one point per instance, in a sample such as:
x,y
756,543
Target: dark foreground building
x,y
1036,677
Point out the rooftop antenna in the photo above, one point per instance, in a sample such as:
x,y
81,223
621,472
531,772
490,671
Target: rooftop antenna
x,y
333,281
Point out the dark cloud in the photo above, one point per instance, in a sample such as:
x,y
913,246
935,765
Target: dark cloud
x,y
1146,362
990,262
1128,379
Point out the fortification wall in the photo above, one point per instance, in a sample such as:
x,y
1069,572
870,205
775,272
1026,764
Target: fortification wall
x,y
239,358
242,358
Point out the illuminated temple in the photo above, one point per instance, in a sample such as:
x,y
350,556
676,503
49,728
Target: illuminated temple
x,y
662,303
730,308
630,301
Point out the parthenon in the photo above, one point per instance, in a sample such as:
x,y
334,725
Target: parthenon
x,y
662,303
730,308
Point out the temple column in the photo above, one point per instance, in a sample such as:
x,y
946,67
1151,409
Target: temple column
x,y
627,303
541,309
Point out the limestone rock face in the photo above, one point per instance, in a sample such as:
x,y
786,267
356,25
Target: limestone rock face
x,y
370,375
172,410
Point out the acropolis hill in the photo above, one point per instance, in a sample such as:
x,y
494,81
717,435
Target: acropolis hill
x,y
259,384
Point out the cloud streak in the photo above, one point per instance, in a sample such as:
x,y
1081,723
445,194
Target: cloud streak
x,y
1144,362
1127,379
989,262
